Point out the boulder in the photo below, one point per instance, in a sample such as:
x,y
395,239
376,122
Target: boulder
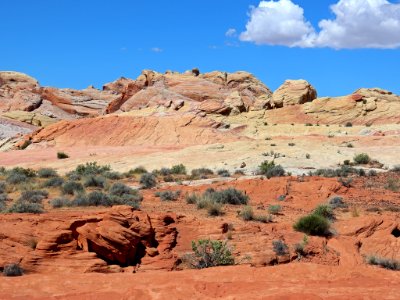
x,y
293,92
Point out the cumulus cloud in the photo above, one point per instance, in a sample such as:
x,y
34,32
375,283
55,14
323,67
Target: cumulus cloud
x,y
356,24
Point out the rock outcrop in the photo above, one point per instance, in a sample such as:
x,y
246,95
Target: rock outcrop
x,y
293,92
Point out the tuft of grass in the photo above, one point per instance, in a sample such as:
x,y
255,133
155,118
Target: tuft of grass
x,y
280,248
209,253
313,224
362,159
274,209
168,195
13,270
386,263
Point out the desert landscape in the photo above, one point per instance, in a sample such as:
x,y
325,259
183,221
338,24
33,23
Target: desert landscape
x,y
200,150
201,186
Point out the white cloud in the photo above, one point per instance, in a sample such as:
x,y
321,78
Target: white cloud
x,y
278,23
231,32
357,24
156,49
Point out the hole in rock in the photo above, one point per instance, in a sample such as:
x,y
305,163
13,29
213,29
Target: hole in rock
x,y
168,220
396,232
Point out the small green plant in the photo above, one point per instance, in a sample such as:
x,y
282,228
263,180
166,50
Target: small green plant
x,y
324,211
91,168
247,214
270,170
223,173
33,196
348,124
201,173
192,198
313,224
291,144
392,184
113,175
337,202
308,156
62,155
280,248
350,145
3,187
148,181
214,209
227,196
274,209
362,159
209,253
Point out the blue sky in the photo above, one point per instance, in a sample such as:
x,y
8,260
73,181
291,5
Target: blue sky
x,y
76,43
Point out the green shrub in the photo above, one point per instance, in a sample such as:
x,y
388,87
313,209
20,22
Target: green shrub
x,y
324,211
73,176
33,196
386,263
247,214
308,156
137,171
392,184
62,155
113,175
372,173
280,248
362,159
209,253
178,169
16,178
20,175
201,173
3,187
148,181
60,202
53,182
223,173
3,198
95,181
227,196
95,198
120,189
348,124
192,198
72,187
25,207
47,173
270,170
396,169
343,171
91,168
313,224
345,182
337,202
13,270
204,202
168,195
214,209
124,195
274,209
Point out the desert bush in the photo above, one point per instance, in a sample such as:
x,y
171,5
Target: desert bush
x,y
148,180
3,198
192,198
204,202
168,195
346,182
214,209
13,270
270,170
239,172
201,173
72,187
178,169
308,156
120,189
337,202
3,187
136,171
19,175
343,171
53,182
280,248
209,253
247,213
362,159
348,124
95,181
223,173
313,224
291,144
91,168
274,209
392,184
122,194
25,207
113,175
324,211
73,176
228,196
386,263
33,196
47,173
60,202
396,168
372,173
62,155
2,204
162,172
95,198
